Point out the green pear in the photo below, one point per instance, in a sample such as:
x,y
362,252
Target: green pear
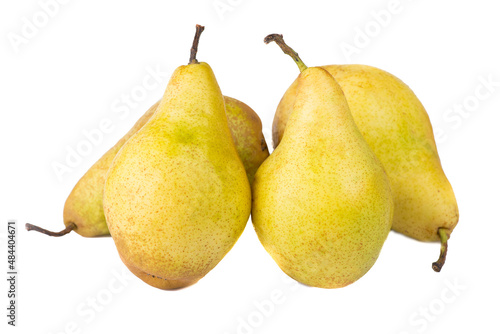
x,y
83,210
396,126
322,204
177,197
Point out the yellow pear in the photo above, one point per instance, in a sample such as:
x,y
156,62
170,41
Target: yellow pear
x,y
396,126
177,197
322,204
246,129
83,210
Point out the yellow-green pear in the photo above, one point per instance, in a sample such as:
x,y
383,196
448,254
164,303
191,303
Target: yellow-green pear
x,y
83,207
83,210
246,129
177,197
396,126
322,204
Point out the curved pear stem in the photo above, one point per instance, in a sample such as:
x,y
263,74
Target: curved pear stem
x,y
68,229
194,48
278,39
444,236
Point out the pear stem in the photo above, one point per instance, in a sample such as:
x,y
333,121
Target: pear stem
x,y
278,39
68,229
443,235
194,48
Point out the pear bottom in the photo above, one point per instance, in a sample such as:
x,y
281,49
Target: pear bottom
x,y
158,282
323,283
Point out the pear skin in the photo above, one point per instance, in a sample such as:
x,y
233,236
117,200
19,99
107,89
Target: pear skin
x,y
177,197
83,210
246,129
322,204
83,206
397,127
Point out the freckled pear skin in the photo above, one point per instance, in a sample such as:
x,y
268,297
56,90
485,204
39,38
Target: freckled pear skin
x,y
322,205
83,206
83,211
177,197
397,128
246,129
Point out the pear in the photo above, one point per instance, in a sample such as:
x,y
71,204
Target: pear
x,y
246,129
177,196
322,204
396,126
83,210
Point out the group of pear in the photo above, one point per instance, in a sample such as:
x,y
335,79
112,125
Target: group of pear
x,y
354,157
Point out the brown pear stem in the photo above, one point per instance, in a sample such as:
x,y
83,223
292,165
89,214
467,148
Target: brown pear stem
x,y
278,39
68,229
444,236
194,48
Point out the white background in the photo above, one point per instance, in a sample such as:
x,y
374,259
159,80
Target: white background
x,y
75,69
